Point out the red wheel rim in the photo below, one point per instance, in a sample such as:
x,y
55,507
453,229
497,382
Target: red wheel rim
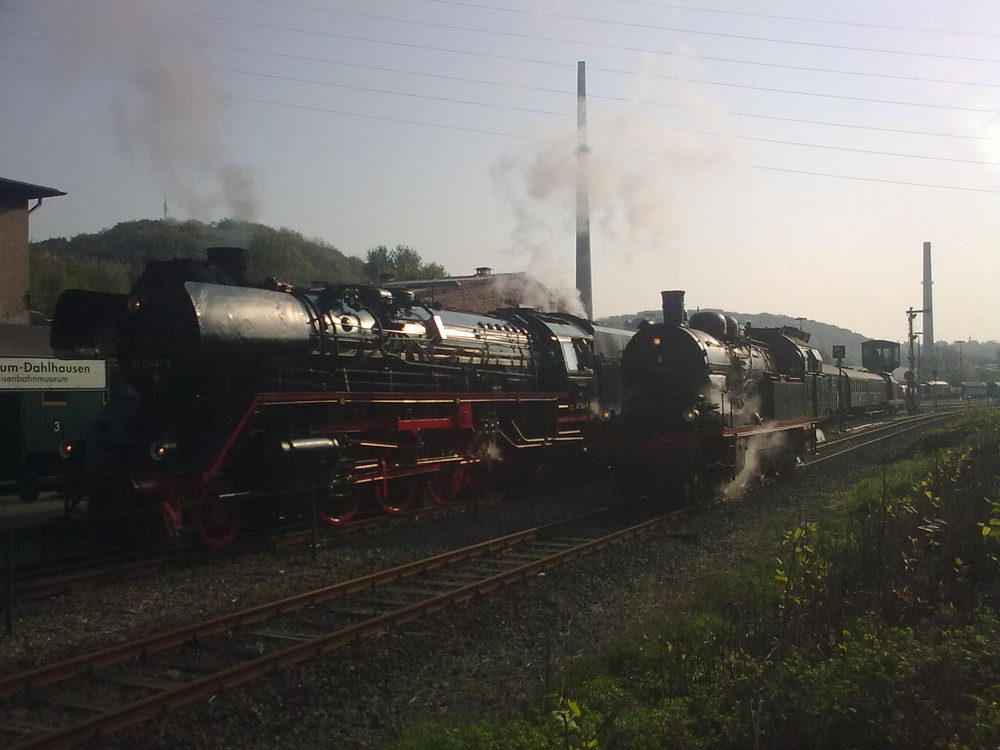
x,y
218,518
397,495
444,486
336,510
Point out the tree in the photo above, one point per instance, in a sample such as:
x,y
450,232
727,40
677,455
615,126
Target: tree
x,y
273,254
51,274
402,263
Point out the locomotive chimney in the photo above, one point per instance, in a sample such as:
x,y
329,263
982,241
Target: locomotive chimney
x,y
233,259
673,308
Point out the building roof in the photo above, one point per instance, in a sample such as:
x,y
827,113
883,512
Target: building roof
x,y
12,190
482,292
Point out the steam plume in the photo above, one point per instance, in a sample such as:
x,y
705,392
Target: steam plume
x,y
176,121
638,166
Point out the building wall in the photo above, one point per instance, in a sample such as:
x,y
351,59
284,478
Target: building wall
x,y
14,280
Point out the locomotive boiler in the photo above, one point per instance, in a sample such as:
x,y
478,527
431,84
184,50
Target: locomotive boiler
x,y
252,398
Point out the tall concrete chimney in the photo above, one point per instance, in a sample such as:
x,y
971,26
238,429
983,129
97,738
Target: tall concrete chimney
x,y
928,353
583,274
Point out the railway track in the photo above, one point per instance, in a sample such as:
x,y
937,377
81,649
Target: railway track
x,y
865,438
92,695
44,581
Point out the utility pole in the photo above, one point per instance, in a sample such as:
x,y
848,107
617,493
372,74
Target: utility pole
x,y
910,376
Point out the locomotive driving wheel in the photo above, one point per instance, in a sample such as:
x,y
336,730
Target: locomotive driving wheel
x,y
339,505
444,486
397,495
217,515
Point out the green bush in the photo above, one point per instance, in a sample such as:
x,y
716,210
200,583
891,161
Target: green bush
x,y
881,634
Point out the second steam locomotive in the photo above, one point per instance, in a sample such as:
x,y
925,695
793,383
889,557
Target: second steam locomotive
x,y
706,402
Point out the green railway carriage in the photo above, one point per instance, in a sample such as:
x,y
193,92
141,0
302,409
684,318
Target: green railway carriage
x,y
44,403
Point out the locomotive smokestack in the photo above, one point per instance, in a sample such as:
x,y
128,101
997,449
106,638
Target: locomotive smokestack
x,y
928,308
583,274
233,259
673,308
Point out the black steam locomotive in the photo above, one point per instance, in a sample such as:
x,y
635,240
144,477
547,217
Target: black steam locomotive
x,y
707,402
246,399
243,397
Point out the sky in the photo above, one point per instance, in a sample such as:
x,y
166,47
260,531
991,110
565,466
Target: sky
x,y
783,156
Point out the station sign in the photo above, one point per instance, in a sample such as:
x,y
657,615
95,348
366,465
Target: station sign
x,y
50,374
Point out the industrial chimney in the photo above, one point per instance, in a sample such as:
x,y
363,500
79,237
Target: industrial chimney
x,y
583,274
928,355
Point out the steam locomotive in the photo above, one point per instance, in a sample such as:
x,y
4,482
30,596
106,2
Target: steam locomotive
x,y
707,403
246,399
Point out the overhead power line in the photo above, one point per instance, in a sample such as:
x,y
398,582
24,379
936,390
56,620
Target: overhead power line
x,y
612,148
676,78
799,19
525,87
566,114
649,27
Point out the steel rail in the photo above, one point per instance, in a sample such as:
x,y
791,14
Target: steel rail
x,y
54,581
208,686
887,425
886,433
160,641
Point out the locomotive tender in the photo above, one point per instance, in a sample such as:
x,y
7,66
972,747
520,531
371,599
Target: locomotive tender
x,y
247,396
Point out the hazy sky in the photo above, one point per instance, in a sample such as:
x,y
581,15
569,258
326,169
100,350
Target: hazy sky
x,y
766,156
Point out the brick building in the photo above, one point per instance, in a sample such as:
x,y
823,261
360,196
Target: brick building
x,y
14,277
484,291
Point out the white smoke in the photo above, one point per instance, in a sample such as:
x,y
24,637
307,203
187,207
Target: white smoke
x,y
524,289
761,450
639,162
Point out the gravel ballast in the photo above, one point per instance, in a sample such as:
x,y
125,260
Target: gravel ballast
x,y
487,658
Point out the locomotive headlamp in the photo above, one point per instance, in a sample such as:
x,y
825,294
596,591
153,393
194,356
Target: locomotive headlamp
x,y
159,450
691,414
607,414
134,304
67,450
656,341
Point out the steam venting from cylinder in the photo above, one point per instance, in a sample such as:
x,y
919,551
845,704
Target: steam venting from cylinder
x,y
673,308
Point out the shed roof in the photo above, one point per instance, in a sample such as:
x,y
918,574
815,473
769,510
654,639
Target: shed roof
x,y
13,190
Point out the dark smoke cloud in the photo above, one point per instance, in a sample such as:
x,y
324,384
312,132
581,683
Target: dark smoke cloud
x,y
175,120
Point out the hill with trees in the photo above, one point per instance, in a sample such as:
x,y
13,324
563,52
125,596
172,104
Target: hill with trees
x,y
111,260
